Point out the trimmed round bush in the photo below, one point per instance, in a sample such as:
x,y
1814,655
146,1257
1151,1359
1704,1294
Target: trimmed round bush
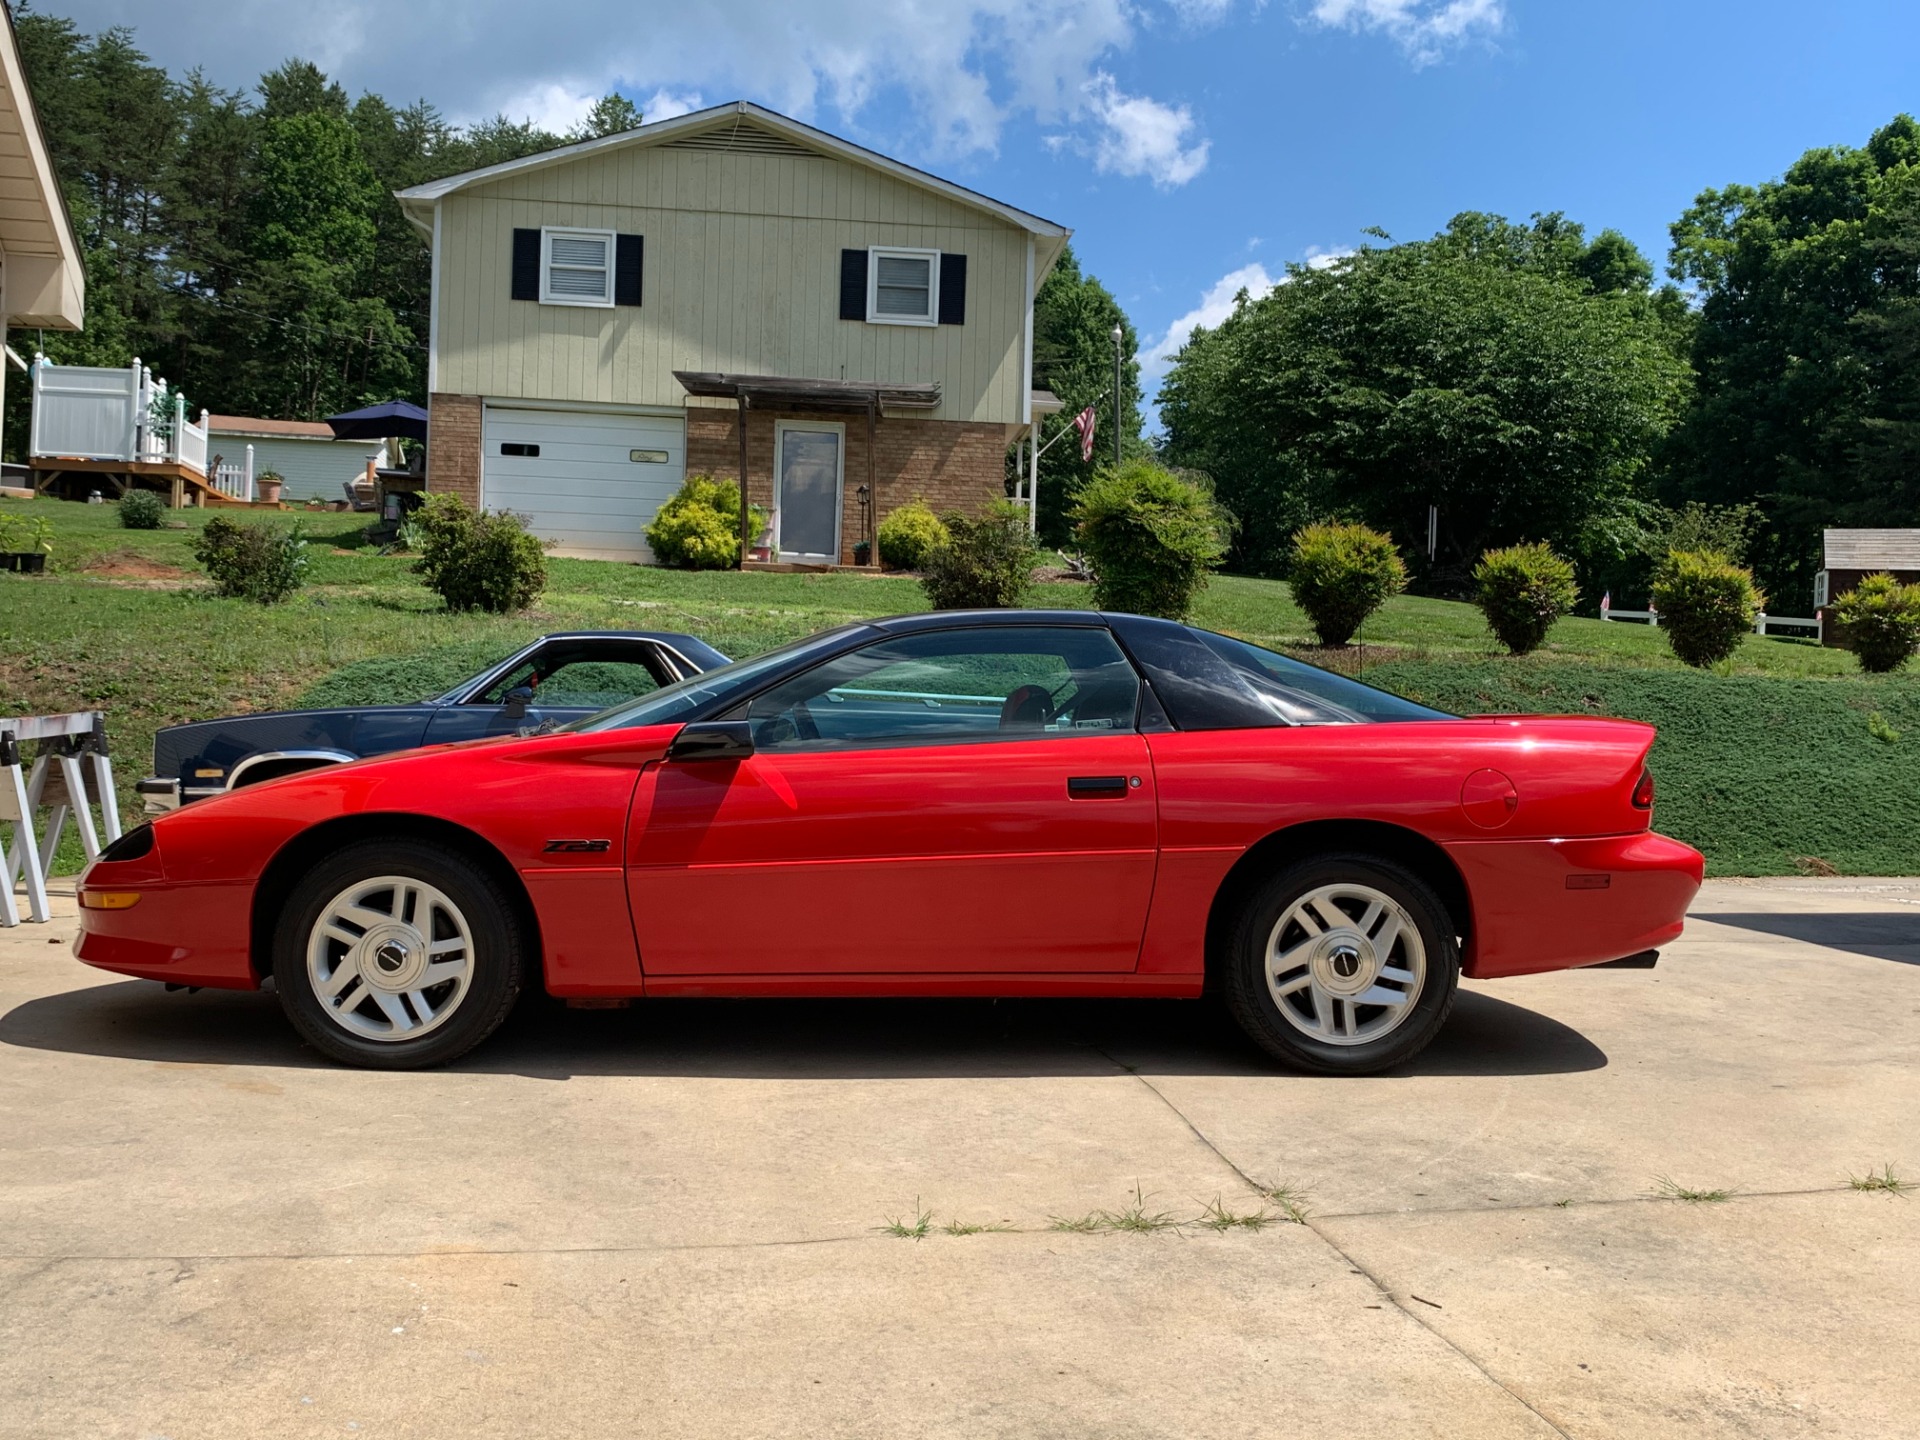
x,y
699,528
1523,590
1880,619
264,562
478,560
141,510
1153,537
1707,604
986,562
909,535
1341,574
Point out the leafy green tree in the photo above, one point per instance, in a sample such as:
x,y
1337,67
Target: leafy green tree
x,y
1481,372
1804,377
612,114
1073,320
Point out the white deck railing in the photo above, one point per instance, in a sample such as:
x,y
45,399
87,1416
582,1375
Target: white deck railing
x,y
233,479
83,413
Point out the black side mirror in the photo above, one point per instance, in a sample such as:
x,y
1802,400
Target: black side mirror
x,y
712,740
517,700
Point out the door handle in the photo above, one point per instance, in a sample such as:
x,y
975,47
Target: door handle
x,y
1096,787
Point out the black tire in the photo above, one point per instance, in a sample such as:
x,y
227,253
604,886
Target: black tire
x,y
1409,1027
471,1008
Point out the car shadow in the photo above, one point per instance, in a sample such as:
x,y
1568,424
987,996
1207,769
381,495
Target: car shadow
x,y
1874,933
785,1039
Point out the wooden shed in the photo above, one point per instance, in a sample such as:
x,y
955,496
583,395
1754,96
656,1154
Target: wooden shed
x,y
1851,555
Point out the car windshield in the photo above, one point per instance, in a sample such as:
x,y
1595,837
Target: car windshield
x,y
673,702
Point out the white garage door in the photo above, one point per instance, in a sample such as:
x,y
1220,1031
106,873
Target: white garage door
x,y
591,481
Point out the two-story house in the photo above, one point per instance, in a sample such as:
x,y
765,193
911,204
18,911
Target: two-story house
x,y
724,290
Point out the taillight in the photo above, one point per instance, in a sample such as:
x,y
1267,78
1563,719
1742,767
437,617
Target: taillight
x,y
1643,792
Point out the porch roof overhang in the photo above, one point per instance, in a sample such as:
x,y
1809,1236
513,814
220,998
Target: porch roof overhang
x,y
46,283
794,392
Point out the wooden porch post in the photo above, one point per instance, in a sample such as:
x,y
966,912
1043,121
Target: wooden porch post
x,y
746,510
873,492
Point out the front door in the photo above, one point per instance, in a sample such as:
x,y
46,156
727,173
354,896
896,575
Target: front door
x,y
966,801
809,464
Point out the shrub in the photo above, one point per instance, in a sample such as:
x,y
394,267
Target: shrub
x,y
1341,574
1523,590
1152,537
1707,604
909,535
265,563
1881,621
476,560
985,564
699,528
141,510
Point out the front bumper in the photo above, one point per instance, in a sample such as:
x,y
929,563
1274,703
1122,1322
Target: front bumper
x,y
157,796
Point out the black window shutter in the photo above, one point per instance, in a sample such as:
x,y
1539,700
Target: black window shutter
x,y
853,285
953,289
626,269
526,264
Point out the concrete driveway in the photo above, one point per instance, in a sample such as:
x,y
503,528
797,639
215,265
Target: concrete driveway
x,y
669,1221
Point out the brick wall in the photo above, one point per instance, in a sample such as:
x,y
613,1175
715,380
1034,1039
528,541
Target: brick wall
x,y
951,464
453,445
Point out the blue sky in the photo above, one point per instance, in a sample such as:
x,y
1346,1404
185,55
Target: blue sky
x,y
1193,145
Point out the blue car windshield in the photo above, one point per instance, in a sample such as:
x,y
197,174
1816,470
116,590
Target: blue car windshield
x,y
672,702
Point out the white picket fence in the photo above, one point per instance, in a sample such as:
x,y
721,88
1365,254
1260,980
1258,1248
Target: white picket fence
x,y
234,478
1763,624
84,413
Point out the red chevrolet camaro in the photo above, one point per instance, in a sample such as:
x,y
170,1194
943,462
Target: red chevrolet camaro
x,y
994,803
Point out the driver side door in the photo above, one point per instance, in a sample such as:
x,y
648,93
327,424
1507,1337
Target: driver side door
x,y
951,802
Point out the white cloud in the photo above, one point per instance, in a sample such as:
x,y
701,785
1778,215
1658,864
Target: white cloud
x,y
557,106
1140,136
664,104
1422,28
958,69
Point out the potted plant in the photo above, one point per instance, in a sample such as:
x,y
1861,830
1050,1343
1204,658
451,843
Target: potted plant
x,y
25,543
267,486
861,550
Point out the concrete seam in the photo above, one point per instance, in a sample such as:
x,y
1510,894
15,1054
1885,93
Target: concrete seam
x,y
1352,1264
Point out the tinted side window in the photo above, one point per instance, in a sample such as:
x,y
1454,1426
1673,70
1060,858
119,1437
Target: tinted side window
x,y
946,686
1212,682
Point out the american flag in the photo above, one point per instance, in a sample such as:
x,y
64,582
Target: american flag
x,y
1083,422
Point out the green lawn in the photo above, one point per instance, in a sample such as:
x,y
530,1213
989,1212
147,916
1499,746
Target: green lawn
x,y
1767,765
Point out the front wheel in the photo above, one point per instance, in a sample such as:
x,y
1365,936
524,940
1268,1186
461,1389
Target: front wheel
x,y
398,954
1345,965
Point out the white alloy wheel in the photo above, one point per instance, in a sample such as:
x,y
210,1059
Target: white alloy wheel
x,y
390,958
1345,964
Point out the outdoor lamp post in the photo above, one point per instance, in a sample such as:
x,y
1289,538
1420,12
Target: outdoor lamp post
x,y
1118,336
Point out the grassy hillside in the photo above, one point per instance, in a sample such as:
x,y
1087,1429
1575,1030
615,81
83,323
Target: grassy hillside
x,y
1767,765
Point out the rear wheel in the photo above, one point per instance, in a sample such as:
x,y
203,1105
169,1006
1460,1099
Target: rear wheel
x,y
398,954
1345,965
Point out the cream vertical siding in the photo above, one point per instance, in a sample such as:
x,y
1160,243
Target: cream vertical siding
x,y
742,273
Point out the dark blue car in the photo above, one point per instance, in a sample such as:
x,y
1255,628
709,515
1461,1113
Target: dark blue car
x,y
556,679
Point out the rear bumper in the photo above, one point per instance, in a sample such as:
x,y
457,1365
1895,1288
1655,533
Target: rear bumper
x,y
1557,904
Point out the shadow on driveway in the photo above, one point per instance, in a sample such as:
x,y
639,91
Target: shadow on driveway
x,y
785,1039
1869,932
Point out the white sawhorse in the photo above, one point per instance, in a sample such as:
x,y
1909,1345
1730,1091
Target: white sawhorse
x,y
57,784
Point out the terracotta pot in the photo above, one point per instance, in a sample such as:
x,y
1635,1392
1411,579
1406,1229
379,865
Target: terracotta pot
x,y
269,491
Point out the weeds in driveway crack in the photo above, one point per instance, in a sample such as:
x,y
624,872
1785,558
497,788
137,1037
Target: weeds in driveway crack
x,y
1885,1181
1217,1217
962,1227
1087,1224
1291,1200
1136,1218
1666,1188
902,1230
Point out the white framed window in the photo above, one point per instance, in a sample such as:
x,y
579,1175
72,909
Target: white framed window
x,y
576,267
903,286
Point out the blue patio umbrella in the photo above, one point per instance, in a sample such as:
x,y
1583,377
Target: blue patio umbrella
x,y
377,422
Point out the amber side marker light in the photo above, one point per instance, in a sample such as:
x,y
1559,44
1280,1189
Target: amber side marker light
x,y
1643,792
109,899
